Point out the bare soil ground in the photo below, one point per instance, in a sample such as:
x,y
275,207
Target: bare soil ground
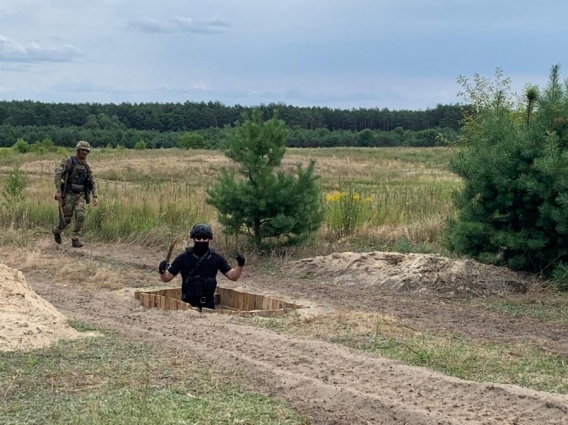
x,y
331,383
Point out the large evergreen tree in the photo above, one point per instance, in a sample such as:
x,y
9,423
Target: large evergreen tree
x,y
268,204
513,207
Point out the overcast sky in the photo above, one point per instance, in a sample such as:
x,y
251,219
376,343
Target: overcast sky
x,y
396,54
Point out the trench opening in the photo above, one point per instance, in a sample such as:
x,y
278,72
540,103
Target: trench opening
x,y
227,301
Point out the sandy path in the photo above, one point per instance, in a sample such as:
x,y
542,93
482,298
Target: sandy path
x,y
330,383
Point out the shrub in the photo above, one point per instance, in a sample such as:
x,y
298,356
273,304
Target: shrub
x,y
43,146
21,146
513,208
13,188
191,141
347,210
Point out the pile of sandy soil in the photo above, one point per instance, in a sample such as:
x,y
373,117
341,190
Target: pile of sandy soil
x,y
413,272
27,321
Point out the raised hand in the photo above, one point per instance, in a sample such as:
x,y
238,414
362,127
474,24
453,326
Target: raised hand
x,y
163,267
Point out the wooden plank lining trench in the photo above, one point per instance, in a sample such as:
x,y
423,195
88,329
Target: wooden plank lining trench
x,y
229,301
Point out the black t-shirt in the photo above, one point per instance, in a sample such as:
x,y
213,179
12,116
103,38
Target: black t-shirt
x,y
208,268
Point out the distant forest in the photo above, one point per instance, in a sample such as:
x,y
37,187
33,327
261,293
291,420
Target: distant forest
x,y
162,124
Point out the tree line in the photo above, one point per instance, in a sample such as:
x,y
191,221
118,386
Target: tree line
x,y
193,116
214,137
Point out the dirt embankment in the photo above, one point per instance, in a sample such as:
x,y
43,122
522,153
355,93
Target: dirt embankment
x,y
27,321
414,273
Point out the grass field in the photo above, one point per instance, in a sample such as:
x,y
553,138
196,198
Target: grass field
x,y
373,198
111,380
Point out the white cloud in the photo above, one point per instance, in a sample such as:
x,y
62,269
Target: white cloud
x,y
179,24
148,25
11,51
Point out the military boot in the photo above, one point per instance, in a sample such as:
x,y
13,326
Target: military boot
x,y
76,243
56,236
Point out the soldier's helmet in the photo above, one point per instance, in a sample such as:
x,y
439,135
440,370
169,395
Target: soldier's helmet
x,y
83,145
201,230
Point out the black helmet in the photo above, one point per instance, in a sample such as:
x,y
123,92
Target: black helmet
x,y
201,230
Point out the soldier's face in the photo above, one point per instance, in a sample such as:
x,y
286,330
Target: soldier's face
x,y
82,153
200,239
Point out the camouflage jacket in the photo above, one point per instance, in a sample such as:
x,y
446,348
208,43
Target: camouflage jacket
x,y
61,174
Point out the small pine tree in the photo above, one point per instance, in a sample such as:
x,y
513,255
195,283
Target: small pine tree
x,y
270,206
513,207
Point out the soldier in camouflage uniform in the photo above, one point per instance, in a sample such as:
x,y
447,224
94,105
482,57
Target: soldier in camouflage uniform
x,y
73,184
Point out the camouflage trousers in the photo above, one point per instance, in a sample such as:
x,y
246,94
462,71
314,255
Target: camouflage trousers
x,y
73,205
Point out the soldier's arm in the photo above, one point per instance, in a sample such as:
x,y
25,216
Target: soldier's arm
x,y
234,274
167,276
172,270
60,175
231,273
93,184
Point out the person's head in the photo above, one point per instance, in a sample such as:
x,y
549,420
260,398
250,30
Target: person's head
x,y
201,234
83,148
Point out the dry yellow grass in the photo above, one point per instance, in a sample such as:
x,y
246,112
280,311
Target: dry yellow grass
x,y
88,273
148,194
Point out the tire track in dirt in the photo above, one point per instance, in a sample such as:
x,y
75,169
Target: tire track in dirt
x,y
330,383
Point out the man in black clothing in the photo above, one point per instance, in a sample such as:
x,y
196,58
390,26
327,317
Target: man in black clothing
x,y
198,266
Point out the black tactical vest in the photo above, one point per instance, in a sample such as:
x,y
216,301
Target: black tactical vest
x,y
200,282
77,179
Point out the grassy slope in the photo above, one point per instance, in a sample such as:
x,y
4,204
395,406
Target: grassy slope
x,y
110,380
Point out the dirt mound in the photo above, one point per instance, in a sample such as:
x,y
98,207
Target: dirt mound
x,y
27,321
413,272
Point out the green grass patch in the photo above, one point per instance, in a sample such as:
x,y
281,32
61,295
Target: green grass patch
x,y
551,310
477,361
431,157
110,380
474,360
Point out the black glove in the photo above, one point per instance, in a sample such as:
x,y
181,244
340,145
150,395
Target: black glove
x,y
163,267
240,260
